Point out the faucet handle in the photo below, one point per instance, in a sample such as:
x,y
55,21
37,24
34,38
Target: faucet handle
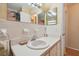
x,y
45,35
34,37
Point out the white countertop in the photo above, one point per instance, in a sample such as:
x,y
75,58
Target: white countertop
x,y
23,50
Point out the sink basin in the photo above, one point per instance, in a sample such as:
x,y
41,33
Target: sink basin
x,y
37,44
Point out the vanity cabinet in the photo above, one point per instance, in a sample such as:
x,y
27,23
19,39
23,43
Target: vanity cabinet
x,y
58,48
46,53
55,50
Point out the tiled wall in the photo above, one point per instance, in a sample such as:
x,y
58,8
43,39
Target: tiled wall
x,y
15,29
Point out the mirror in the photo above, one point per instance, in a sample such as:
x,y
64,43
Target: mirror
x,y
36,13
49,18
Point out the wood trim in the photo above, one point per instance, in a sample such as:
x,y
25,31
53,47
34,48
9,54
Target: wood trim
x,y
73,48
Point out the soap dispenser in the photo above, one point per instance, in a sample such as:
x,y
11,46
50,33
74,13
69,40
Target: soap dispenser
x,y
26,34
45,34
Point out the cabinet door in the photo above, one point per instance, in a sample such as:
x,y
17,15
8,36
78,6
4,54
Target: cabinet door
x,y
58,48
47,54
53,51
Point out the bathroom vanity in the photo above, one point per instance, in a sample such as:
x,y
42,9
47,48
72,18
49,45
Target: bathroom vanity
x,y
54,48
54,17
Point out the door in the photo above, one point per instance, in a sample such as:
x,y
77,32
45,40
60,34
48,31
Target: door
x,y
3,11
73,26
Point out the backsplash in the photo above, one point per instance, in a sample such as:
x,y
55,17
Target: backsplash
x,y
15,28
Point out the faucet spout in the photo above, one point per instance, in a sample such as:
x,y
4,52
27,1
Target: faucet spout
x,y
34,38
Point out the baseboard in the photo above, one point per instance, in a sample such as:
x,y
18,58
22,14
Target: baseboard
x,y
73,48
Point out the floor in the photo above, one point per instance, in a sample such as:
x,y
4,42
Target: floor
x,y
71,52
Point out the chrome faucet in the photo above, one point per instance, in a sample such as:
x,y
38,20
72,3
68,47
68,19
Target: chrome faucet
x,y
34,38
45,34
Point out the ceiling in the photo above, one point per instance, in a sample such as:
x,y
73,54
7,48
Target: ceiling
x,y
17,6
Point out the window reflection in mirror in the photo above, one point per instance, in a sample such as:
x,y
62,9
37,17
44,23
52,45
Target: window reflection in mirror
x,y
51,17
13,11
